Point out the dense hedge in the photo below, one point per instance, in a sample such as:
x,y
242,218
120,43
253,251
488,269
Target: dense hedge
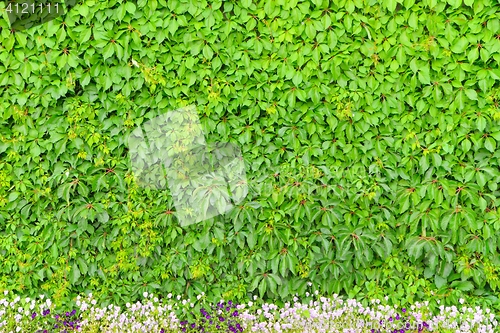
x,y
369,130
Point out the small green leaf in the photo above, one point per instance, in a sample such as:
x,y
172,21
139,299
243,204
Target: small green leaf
x,y
83,10
75,273
82,265
246,3
108,51
130,7
472,94
480,179
462,285
391,5
466,145
439,281
473,54
481,123
460,45
13,196
490,144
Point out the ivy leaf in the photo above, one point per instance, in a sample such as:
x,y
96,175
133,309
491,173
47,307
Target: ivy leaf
x,y
83,9
481,179
108,51
82,265
207,52
473,54
246,3
462,285
130,7
121,11
424,77
472,94
481,123
460,45
75,273
490,144
405,205
391,5
439,281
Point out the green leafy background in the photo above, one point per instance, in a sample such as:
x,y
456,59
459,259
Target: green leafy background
x,y
369,131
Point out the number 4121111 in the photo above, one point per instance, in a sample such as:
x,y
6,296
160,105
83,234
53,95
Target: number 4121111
x,y
32,8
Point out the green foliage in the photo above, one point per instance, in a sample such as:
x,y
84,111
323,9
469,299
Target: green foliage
x,y
369,129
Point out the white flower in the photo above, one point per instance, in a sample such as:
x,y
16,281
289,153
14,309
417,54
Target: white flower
x,y
145,294
5,292
42,296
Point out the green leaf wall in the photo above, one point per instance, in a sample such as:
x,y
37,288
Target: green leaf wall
x,y
369,130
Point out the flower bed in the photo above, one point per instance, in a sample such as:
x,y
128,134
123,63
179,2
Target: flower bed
x,y
322,314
